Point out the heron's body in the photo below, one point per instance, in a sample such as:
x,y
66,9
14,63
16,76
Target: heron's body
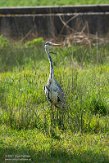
x,y
54,93
53,90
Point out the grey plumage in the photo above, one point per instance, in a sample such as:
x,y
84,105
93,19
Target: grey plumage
x,y
53,90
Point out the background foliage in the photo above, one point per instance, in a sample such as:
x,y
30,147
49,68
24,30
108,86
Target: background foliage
x,y
47,2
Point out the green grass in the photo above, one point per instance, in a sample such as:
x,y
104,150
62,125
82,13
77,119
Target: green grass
x,y
47,2
26,124
41,148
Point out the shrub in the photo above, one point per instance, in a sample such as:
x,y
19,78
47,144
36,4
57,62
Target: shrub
x,y
35,42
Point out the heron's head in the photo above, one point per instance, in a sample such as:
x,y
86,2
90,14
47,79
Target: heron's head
x,y
48,45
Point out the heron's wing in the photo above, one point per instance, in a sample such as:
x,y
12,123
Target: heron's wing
x,y
55,93
60,92
58,85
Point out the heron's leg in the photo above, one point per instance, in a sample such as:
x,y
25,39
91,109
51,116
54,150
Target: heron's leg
x,y
57,114
52,116
61,119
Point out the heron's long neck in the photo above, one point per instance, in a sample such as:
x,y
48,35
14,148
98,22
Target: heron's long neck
x,y
51,64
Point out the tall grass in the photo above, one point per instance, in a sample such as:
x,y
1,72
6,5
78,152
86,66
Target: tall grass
x,y
82,73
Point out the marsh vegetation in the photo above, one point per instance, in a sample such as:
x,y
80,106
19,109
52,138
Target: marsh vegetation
x,y
83,73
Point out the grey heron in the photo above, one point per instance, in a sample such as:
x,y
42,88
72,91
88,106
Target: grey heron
x,y
53,90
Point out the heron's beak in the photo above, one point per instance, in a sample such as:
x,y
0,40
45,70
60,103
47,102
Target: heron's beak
x,y
54,44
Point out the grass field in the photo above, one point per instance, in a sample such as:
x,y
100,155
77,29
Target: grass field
x,y
26,125
70,147
4,3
